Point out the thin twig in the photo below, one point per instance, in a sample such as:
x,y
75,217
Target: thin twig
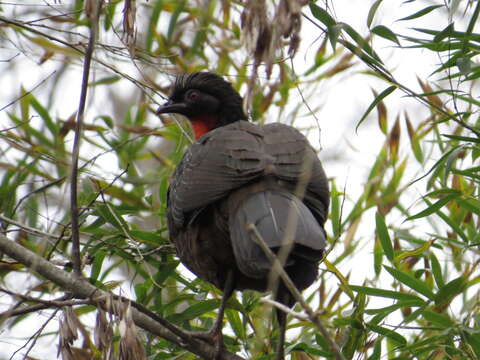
x,y
277,267
284,308
43,304
28,229
76,261
35,337
28,92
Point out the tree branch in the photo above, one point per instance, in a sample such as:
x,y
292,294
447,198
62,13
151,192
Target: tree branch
x,y
76,261
81,288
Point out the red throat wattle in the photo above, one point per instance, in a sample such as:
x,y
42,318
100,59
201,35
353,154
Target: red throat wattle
x,y
203,124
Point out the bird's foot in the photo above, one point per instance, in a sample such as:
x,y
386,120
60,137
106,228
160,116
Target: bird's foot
x,y
279,354
212,337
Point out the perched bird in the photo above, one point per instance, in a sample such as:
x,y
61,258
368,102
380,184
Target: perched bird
x,y
237,176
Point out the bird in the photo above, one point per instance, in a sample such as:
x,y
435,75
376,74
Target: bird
x,y
235,177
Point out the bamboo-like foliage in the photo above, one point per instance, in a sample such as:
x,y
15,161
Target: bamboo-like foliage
x,y
414,224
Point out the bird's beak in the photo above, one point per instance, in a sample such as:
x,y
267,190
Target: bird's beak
x,y
172,107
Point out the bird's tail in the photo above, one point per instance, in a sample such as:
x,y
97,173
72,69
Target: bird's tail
x,y
285,224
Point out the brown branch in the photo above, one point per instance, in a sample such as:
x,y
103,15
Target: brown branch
x,y
278,268
28,229
82,289
52,303
76,261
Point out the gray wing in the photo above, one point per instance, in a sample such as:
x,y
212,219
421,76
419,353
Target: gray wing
x,y
237,154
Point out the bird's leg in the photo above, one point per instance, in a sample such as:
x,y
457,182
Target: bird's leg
x,y
282,323
283,296
215,335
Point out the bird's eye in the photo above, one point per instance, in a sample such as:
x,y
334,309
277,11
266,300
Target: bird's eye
x,y
193,95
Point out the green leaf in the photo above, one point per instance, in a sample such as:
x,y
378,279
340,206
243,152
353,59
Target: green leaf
x,y
463,138
333,34
43,112
98,258
335,210
343,280
386,33
411,282
322,15
385,293
110,215
140,292
155,15
435,166
398,305
472,338
471,204
450,290
377,349
442,320
448,31
105,81
415,252
377,256
396,337
422,12
434,207
165,270
361,42
436,270
236,323
379,98
195,311
308,349
451,161
382,233
174,18
372,12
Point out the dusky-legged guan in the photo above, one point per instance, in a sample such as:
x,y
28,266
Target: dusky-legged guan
x,y
237,174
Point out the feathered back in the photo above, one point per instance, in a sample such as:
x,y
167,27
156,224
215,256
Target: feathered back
x,y
231,109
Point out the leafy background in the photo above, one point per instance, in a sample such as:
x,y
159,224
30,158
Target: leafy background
x,y
400,147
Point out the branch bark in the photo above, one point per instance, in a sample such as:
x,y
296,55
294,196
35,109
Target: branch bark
x,y
76,260
82,289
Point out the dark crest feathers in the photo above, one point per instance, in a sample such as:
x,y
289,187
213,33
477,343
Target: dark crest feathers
x,y
232,103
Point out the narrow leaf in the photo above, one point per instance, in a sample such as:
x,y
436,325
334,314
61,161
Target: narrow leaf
x,y
436,270
422,12
434,207
382,114
442,320
322,15
372,12
379,98
414,141
383,236
385,33
340,277
450,290
396,337
385,293
416,252
448,31
411,282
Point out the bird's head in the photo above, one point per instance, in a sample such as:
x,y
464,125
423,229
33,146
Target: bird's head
x,y
206,99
